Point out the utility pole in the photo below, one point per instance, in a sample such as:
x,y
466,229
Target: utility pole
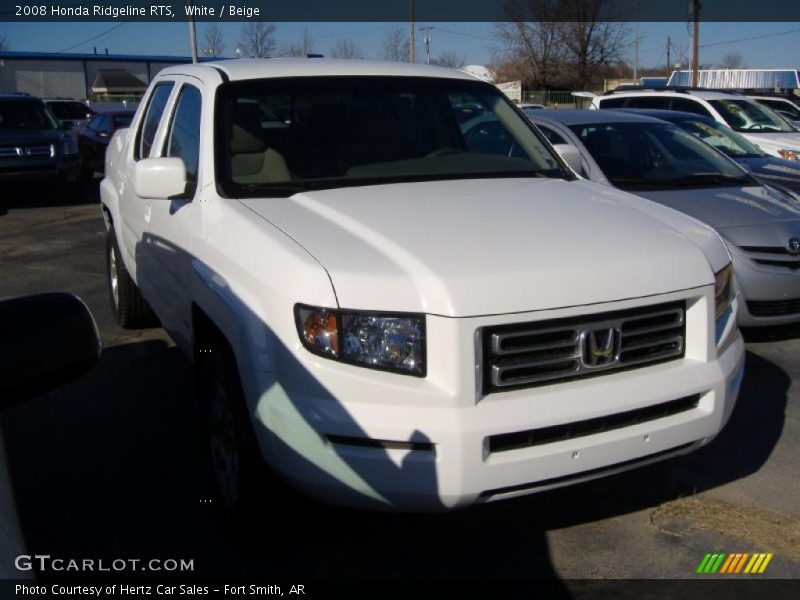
x,y
427,38
192,33
695,8
669,62
412,40
636,47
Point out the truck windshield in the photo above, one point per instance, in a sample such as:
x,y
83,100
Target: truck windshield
x,y
748,115
276,137
25,114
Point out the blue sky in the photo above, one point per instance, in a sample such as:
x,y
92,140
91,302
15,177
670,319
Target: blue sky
x,y
773,45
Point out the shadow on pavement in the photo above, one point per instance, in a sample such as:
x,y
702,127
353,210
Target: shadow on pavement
x,y
41,194
111,466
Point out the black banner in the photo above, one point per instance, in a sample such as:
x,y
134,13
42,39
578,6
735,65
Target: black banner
x,y
382,11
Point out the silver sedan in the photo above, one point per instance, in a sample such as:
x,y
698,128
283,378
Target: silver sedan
x,y
657,160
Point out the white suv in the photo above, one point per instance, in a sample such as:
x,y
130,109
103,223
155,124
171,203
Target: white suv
x,y
758,123
398,315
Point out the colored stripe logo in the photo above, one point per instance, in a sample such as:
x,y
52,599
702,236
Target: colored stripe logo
x,y
734,563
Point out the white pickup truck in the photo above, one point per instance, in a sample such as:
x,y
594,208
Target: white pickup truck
x,y
398,309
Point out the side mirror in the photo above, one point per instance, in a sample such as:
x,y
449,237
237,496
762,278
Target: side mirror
x,y
570,155
161,178
66,125
48,340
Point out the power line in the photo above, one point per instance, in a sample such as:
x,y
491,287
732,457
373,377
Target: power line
x,y
469,35
94,37
747,39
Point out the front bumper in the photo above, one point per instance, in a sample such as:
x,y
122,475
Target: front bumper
x,y
769,295
365,438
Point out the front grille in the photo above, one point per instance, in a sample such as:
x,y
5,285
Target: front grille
x,y
532,354
569,431
774,308
26,151
773,256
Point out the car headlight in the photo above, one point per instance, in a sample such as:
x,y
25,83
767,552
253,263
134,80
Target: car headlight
x,y
68,146
382,341
723,290
789,154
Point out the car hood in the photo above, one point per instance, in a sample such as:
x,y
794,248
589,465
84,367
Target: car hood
x,y
773,170
12,138
772,142
478,247
729,206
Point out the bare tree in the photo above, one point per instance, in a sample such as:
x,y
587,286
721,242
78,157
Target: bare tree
x,y
564,42
594,36
213,42
451,60
395,45
531,33
346,48
732,60
257,39
302,47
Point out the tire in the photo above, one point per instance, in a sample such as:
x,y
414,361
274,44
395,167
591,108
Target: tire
x,y
239,474
130,310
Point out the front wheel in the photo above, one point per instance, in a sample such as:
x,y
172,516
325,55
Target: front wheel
x,y
234,458
130,309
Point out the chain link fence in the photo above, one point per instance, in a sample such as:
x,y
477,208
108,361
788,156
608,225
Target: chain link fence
x,y
555,99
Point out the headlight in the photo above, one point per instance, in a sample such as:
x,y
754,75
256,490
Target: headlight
x,y
789,154
374,340
723,290
68,146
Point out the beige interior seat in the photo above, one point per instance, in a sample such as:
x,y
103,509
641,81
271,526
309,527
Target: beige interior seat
x,y
252,161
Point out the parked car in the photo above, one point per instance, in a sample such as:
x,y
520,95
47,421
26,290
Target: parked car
x,y
32,146
47,340
784,106
69,113
395,316
758,123
768,169
94,136
661,162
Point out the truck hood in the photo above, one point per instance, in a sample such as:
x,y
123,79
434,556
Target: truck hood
x,y
478,247
722,207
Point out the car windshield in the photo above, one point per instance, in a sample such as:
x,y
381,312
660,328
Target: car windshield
x,y
25,114
751,117
69,110
656,156
277,137
720,137
779,104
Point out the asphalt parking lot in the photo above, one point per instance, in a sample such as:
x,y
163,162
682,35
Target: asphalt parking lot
x,y
111,465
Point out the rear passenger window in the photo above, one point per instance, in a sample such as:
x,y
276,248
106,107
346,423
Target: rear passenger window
x,y
648,102
183,139
149,127
690,106
612,102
